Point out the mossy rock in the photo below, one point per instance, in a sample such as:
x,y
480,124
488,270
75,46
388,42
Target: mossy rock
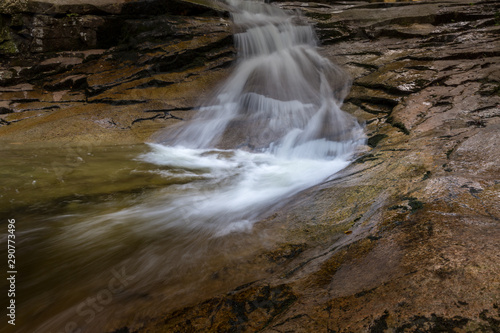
x,y
13,6
7,44
9,48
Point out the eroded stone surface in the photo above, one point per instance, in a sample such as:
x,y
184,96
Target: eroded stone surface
x,y
161,61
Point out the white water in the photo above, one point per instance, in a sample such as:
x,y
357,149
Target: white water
x,y
279,110
272,129
237,187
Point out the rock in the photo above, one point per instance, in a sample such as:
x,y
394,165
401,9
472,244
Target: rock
x,y
87,52
50,25
86,7
246,308
13,6
4,110
7,43
69,33
73,82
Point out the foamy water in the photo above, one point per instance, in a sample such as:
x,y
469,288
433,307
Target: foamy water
x,y
274,128
238,187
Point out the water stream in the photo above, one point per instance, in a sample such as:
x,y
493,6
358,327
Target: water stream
x,y
170,216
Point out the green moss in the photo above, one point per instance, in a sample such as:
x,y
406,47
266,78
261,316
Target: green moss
x,y
9,47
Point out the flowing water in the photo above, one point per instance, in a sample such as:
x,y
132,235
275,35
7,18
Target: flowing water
x,y
111,229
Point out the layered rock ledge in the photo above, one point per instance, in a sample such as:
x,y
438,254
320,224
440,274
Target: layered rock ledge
x,y
109,71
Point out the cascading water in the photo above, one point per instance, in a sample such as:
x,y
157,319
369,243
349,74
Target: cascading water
x,y
272,129
283,97
279,110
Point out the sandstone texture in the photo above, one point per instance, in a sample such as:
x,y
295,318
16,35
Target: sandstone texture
x,y
406,239
73,71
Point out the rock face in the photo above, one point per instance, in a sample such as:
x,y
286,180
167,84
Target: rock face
x,y
82,60
54,26
403,240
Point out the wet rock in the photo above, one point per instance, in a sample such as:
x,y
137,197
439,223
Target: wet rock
x,y
245,309
73,82
285,252
48,25
115,53
4,110
374,140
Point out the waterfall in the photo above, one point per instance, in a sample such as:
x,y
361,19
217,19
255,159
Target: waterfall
x,y
273,129
283,96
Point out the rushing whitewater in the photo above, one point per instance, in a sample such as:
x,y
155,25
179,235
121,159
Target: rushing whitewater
x,y
283,97
272,129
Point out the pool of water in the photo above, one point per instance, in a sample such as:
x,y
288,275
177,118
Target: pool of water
x,y
107,235
88,253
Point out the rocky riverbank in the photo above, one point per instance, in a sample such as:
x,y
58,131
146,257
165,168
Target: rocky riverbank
x,y
403,240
